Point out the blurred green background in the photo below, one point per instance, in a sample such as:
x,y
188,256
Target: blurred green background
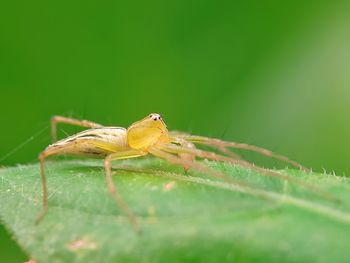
x,y
271,73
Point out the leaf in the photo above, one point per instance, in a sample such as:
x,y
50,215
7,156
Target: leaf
x,y
184,217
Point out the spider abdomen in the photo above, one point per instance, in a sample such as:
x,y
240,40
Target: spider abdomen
x,y
96,142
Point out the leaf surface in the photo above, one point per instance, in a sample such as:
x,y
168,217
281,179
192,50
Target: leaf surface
x,y
184,217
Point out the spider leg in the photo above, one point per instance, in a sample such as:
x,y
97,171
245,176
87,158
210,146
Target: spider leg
x,y
226,151
49,151
226,144
58,150
61,119
176,138
189,158
201,168
130,153
43,155
216,157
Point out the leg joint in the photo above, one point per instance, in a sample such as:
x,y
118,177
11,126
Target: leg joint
x,y
42,156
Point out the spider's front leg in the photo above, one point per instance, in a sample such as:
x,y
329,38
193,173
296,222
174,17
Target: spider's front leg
x,y
177,135
175,149
186,157
223,145
80,123
177,160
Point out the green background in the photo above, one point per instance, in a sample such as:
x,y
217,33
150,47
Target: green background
x,y
270,73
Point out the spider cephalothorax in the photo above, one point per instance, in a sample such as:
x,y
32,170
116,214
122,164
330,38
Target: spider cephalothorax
x,y
147,132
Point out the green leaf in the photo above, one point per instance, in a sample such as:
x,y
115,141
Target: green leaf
x,y
184,217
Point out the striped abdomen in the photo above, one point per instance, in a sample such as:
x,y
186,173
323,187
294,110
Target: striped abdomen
x,y
97,142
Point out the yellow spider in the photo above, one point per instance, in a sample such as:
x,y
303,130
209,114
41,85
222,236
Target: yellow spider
x,y
147,136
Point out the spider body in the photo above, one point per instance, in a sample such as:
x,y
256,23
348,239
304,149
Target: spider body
x,y
147,136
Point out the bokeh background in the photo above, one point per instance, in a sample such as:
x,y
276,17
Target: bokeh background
x,y
270,73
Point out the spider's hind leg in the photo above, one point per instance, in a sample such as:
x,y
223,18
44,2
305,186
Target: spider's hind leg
x,y
80,123
42,157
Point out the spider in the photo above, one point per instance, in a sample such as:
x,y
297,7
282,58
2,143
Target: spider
x,y
147,136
